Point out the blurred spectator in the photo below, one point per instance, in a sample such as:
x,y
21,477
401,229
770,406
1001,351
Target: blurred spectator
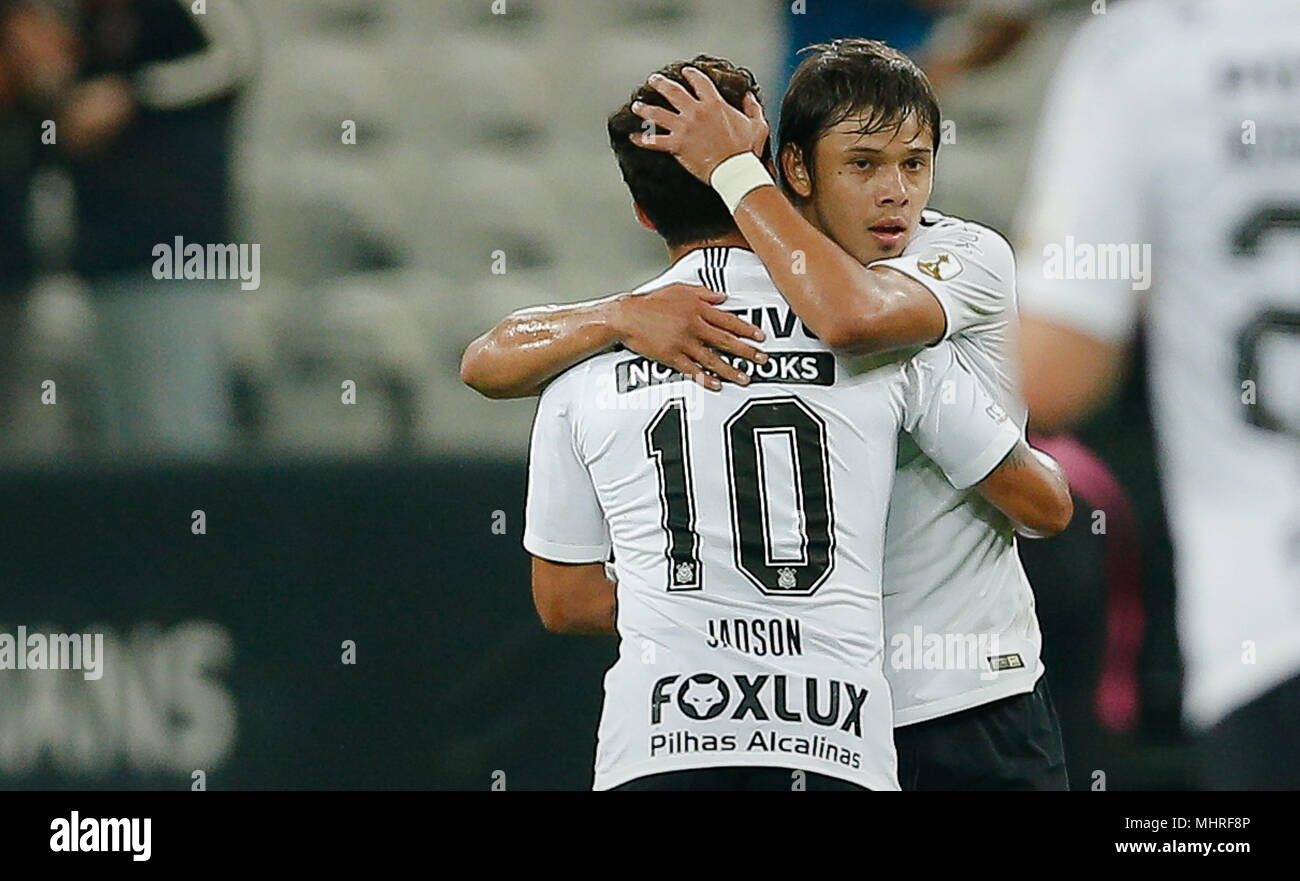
x,y
147,130
36,62
141,93
978,35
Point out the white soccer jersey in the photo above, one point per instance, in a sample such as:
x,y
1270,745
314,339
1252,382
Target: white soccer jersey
x,y
1171,137
747,527
959,611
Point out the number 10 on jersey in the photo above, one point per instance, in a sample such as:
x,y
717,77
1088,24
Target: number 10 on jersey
x,y
756,427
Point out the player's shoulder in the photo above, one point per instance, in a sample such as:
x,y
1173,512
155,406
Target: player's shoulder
x,y
575,385
938,224
941,233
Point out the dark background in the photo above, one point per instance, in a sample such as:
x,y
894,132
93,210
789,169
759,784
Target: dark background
x,y
454,677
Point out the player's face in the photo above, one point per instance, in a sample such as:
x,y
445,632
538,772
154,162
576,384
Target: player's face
x,y
868,190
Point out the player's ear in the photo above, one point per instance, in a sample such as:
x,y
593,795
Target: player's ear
x,y
642,218
795,172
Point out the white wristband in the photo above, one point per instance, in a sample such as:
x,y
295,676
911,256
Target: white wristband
x,y
736,175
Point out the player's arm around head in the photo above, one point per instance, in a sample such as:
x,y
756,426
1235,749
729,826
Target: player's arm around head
x,y
678,325
574,597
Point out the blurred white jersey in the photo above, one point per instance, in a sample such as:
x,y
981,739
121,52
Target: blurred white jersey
x,y
959,610
1172,138
747,527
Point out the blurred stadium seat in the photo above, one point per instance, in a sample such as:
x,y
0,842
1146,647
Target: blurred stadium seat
x,y
308,89
60,326
478,135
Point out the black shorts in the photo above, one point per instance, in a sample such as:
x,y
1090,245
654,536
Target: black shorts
x,y
1255,746
1009,744
737,779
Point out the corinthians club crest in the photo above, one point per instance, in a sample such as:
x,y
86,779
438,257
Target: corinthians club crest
x,y
684,573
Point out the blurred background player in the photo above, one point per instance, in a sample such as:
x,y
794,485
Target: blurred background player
x,y
787,547
1208,220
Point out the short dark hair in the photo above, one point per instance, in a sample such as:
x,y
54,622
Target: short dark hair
x,y
850,76
682,208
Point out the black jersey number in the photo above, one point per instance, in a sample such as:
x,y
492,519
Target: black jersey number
x,y
787,421
668,443
1266,325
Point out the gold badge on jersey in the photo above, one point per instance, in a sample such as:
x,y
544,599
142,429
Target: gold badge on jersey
x,y
941,265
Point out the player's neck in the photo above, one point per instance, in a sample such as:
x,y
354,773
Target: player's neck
x,y
730,240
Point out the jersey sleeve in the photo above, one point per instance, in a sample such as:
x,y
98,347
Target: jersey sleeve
x,y
563,520
953,419
969,269
1085,191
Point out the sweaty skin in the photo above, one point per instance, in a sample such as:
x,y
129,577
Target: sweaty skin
x,y
679,326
